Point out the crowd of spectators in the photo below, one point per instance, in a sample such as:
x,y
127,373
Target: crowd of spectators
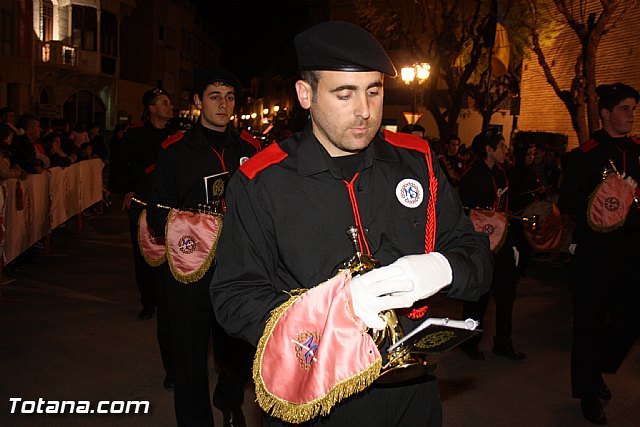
x,y
31,146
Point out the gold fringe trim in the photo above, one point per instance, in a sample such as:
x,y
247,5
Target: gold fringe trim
x,y
202,270
152,262
301,412
597,227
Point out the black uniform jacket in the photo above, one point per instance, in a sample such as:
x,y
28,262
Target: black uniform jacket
x,y
183,162
287,213
141,145
584,173
479,186
479,189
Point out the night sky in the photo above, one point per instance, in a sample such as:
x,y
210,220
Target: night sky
x,y
256,34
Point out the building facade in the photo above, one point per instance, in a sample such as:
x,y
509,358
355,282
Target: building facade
x,y
617,61
90,61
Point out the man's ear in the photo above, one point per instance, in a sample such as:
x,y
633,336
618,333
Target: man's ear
x,y
605,114
197,102
303,89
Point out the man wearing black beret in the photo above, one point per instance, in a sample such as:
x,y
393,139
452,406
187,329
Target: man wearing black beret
x,y
284,236
606,263
211,150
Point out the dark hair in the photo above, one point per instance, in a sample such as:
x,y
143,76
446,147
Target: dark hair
x,y
312,77
5,131
412,128
5,110
611,95
452,138
47,141
488,138
520,150
26,119
217,76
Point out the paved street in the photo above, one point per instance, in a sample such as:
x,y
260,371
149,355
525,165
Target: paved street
x,y
69,331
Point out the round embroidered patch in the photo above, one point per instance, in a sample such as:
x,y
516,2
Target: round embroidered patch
x,y
410,193
187,244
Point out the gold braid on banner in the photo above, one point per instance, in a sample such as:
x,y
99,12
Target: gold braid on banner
x,y
202,270
301,412
152,262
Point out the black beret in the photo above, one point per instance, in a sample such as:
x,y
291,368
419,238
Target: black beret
x,y
206,76
150,96
341,46
611,95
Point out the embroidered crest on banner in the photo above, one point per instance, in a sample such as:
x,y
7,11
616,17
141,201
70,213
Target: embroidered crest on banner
x,y
489,229
611,204
306,346
410,193
187,244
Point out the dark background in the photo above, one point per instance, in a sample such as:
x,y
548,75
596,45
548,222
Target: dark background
x,y
256,35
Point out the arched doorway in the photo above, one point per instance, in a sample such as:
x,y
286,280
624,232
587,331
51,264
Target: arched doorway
x,y
84,107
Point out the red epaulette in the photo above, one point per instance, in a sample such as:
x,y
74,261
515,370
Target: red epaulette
x,y
247,137
404,140
272,155
589,145
136,125
172,139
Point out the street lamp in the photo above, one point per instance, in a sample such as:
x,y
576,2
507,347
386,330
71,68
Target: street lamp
x,y
416,74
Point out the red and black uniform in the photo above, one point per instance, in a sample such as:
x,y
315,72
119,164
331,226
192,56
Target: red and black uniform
x,y
140,151
141,144
479,188
605,266
454,167
287,213
186,159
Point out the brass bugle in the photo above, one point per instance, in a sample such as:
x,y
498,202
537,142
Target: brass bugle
x,y
615,170
531,220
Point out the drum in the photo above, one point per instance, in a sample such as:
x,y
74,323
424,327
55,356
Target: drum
x,y
609,204
151,246
491,222
192,238
547,233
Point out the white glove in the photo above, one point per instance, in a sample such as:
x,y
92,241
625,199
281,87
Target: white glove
x,y
427,272
376,291
631,182
516,255
409,279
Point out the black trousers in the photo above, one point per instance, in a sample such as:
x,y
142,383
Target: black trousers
x,y
416,405
143,271
503,289
605,290
162,317
192,323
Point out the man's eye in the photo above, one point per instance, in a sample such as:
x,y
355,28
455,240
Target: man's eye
x,y
344,97
374,92
230,98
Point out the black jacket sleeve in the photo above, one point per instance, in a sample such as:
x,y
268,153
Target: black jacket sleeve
x,y
243,295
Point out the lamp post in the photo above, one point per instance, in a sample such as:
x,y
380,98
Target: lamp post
x,y
416,74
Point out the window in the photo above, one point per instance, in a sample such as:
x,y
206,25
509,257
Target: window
x,y
7,40
108,33
47,20
84,21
